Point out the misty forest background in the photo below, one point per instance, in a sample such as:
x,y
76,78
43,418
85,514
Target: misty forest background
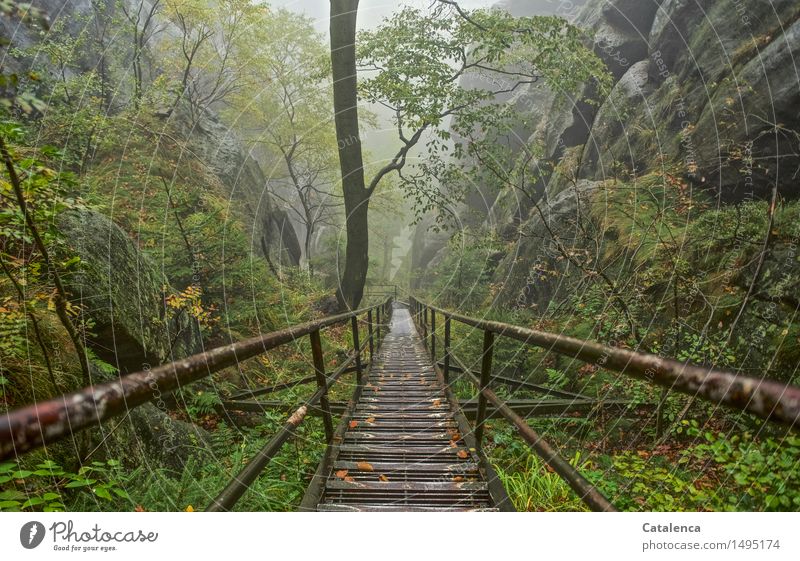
x,y
624,171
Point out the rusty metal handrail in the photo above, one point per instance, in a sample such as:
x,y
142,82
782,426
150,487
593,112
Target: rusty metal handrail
x,y
239,484
587,492
768,399
32,426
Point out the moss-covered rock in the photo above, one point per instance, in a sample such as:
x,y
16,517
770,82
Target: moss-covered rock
x,y
122,295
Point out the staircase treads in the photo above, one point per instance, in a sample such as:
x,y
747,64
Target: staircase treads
x,y
402,449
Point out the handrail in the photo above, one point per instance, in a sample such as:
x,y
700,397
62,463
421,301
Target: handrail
x,y
588,493
239,484
768,399
35,425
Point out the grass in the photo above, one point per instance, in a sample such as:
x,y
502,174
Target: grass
x,y
534,488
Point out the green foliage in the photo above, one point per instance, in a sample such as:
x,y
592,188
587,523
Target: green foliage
x,y
421,58
48,487
530,484
764,472
279,488
533,488
644,482
15,96
203,403
462,280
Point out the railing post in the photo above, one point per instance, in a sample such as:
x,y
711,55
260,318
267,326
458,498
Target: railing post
x,y
486,373
370,334
356,348
378,321
319,371
447,349
425,324
433,335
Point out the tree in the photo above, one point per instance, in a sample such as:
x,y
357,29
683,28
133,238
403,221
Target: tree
x,y
351,163
419,60
213,53
289,97
143,28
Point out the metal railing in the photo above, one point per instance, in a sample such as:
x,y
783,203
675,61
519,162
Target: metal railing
x,y
35,425
768,399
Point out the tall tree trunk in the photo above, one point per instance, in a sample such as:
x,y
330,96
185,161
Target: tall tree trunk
x,y
309,237
356,197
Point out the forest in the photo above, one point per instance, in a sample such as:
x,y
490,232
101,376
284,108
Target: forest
x,y
179,176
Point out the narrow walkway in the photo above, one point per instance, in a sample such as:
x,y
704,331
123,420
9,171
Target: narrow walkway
x,y
402,449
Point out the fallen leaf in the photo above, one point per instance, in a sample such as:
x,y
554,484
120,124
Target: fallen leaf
x,y
437,402
370,420
341,474
190,508
139,508
384,478
458,478
353,424
463,454
349,479
364,466
453,444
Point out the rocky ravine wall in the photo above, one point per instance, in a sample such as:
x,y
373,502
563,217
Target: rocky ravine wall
x,y
119,286
698,84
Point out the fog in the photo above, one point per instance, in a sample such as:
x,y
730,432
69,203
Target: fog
x,y
370,12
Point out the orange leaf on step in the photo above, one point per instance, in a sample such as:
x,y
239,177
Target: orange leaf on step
x,y
370,420
384,478
365,466
458,478
463,454
353,424
437,402
349,479
341,474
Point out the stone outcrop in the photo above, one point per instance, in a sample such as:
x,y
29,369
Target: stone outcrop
x,y
707,88
123,294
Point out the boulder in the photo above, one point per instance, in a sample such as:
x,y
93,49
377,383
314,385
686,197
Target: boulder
x,y
122,294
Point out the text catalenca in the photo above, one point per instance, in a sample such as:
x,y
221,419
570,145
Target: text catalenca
x,y
647,527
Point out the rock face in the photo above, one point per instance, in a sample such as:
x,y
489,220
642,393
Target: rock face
x,y
706,88
222,150
557,124
123,295
217,143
